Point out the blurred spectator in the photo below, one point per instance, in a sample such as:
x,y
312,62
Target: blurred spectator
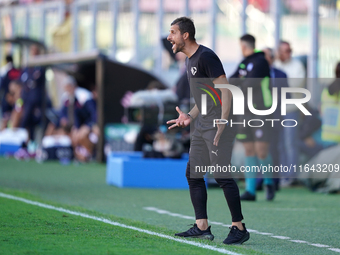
x,y
254,72
334,88
311,142
296,74
62,34
279,81
292,67
71,113
77,119
14,100
86,137
33,79
10,131
8,73
330,110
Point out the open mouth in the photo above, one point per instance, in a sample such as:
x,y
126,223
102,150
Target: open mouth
x,y
173,44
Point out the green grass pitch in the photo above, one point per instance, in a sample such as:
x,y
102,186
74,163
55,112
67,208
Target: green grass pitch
x,y
296,214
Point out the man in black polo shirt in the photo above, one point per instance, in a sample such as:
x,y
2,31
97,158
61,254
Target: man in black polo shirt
x,y
210,146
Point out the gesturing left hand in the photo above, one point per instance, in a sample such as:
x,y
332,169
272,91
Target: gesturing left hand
x,y
182,121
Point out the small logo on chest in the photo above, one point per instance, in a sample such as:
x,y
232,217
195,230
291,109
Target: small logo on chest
x,y
193,70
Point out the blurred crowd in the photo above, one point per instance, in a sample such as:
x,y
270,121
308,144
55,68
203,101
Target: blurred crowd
x,y
28,118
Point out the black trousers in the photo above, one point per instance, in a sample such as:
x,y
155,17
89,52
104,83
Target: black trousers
x,y
203,154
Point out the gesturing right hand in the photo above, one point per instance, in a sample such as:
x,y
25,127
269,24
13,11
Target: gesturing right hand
x,y
182,121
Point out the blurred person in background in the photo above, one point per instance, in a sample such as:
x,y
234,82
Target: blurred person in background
x,y
292,67
33,79
71,113
254,71
77,119
330,109
8,73
14,100
86,137
278,80
296,74
11,132
311,142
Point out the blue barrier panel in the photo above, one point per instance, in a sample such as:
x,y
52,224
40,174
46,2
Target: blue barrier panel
x,y
8,148
130,169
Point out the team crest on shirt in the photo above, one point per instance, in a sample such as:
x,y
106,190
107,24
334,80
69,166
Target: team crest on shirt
x,y
250,67
242,72
193,70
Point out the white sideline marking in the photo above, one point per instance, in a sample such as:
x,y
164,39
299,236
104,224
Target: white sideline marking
x,y
84,215
264,233
334,249
253,231
299,241
249,230
281,237
160,211
319,245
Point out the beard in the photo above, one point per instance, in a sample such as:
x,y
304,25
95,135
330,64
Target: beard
x,y
179,47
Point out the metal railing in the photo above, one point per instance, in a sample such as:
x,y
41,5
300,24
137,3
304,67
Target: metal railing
x,y
124,39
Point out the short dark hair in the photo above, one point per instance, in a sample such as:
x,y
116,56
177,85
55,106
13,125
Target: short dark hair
x,y
286,43
249,39
9,59
186,25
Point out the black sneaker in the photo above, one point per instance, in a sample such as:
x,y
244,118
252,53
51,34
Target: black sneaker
x,y
247,196
195,232
237,236
270,190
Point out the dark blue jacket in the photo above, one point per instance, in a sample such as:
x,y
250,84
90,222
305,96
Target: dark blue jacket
x,y
77,113
279,81
90,112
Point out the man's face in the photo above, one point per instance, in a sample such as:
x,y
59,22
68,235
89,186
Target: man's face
x,y
69,89
176,39
243,47
267,55
34,51
285,52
